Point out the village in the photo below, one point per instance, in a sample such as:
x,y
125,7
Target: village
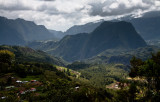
x,y
30,85
20,87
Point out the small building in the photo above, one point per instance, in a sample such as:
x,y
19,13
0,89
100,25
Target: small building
x,y
116,86
22,92
33,89
3,97
77,88
24,81
32,81
18,81
10,87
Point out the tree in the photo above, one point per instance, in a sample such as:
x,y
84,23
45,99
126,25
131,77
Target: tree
x,y
148,70
135,63
6,59
6,56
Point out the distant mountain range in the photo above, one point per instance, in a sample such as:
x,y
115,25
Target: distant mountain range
x,y
81,41
109,35
76,29
86,28
147,27
19,31
58,34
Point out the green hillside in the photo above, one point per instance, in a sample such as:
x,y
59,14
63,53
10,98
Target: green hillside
x,y
122,56
27,54
42,82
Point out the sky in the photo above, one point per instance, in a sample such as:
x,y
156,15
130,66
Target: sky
x,y
62,14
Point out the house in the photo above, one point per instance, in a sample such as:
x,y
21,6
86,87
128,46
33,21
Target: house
x,y
3,97
22,92
33,89
24,82
116,86
77,88
32,81
9,87
18,81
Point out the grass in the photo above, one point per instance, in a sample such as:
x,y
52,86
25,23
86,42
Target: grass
x,y
29,78
72,72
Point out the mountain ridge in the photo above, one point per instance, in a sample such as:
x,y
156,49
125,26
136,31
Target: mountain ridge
x,y
109,35
22,31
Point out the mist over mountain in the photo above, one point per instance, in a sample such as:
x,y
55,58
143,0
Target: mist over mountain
x,y
19,31
109,35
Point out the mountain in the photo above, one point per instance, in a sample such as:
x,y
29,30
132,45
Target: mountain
x,y
151,14
8,35
76,29
123,57
58,34
147,27
109,35
29,55
42,45
19,31
86,28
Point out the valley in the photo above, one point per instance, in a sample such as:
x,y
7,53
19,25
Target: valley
x,y
99,61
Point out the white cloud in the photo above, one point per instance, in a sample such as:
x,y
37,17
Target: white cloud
x,y
62,14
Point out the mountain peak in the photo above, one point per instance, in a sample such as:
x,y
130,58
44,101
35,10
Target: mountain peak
x,y
20,31
109,35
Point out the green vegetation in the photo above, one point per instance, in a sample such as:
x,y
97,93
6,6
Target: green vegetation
x,y
123,56
102,75
31,81
78,65
141,86
149,71
42,82
25,54
144,85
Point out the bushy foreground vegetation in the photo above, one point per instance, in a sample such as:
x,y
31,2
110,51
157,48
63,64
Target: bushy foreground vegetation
x,y
148,73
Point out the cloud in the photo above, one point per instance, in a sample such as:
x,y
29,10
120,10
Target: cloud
x,y
62,14
12,5
46,0
120,7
